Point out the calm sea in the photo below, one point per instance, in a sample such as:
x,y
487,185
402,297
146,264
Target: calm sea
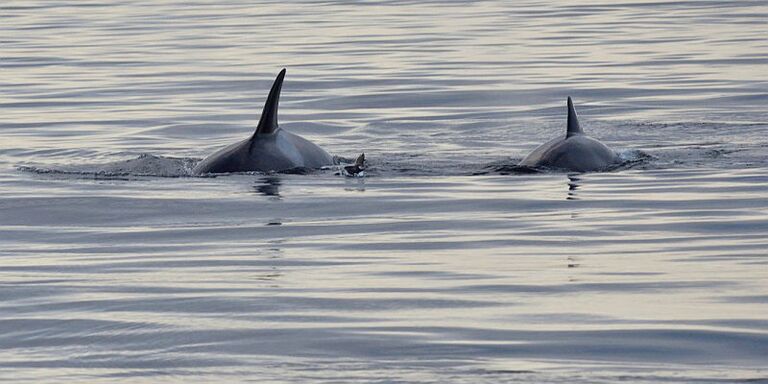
x,y
439,266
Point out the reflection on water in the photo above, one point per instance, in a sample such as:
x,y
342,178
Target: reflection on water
x,y
268,186
574,183
275,271
356,184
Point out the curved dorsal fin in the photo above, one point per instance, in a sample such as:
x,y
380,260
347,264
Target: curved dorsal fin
x,y
268,121
573,121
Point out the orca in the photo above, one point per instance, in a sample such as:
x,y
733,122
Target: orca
x,y
270,148
575,152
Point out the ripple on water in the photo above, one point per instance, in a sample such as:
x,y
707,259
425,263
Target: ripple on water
x,y
447,263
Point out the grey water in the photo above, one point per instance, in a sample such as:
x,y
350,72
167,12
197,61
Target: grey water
x,y
442,264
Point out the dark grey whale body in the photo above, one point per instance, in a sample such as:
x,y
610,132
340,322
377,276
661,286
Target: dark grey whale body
x,y
575,152
270,148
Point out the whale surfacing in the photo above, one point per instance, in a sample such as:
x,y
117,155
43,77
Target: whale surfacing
x,y
575,152
270,148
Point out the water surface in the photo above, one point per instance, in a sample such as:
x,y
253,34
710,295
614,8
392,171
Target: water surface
x,y
440,265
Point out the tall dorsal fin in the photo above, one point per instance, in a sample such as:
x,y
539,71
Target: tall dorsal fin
x,y
268,121
573,121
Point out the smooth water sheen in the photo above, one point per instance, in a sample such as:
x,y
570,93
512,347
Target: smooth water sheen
x,y
443,264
